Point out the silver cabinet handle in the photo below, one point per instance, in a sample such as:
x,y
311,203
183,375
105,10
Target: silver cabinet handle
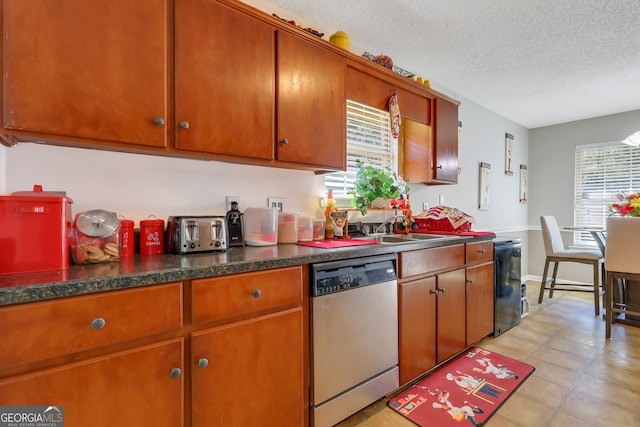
x,y
256,293
470,282
98,323
285,141
184,125
175,373
443,290
203,363
439,167
431,291
482,251
159,121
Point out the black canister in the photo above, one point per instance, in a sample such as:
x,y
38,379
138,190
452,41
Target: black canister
x,y
234,222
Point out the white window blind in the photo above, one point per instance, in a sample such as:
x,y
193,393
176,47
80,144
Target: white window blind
x,y
370,140
602,171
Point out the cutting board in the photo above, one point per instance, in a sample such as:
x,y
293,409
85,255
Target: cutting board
x,y
341,243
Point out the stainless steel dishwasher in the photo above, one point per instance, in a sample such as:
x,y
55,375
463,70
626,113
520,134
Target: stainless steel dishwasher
x,y
354,336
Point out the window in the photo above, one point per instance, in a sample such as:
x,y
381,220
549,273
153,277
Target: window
x,y
369,139
602,171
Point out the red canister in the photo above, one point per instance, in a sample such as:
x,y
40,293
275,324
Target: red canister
x,y
127,243
34,231
151,236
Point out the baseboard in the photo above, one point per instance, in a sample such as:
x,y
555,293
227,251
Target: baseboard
x,y
558,282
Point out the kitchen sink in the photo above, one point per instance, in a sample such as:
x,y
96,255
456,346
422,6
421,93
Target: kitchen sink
x,y
400,239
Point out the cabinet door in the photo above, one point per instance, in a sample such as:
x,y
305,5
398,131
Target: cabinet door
x,y
450,314
446,141
416,147
87,69
311,104
479,295
417,324
225,90
250,373
137,388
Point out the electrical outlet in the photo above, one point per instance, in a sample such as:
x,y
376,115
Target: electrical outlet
x,y
441,199
425,206
232,199
277,202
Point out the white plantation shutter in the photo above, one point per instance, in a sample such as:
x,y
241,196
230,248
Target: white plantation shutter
x,y
369,139
602,171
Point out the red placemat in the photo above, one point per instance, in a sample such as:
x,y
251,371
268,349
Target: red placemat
x,y
341,243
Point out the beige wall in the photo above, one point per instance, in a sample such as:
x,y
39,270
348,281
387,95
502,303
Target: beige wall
x,y
551,178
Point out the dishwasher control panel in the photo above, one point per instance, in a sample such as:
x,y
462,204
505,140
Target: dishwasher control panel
x,y
331,277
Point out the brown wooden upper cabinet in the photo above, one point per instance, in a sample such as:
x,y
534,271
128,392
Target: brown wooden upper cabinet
x,y
374,89
201,78
79,69
225,81
239,80
430,153
446,142
312,117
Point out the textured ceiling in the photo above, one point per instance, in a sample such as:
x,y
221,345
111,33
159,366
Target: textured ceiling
x,y
535,62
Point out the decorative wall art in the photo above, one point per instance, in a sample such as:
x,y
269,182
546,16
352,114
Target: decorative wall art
x,y
523,183
508,154
483,193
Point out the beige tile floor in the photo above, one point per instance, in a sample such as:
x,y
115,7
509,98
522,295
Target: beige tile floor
x,y
581,379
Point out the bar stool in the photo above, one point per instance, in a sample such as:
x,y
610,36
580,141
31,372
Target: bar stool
x,y
621,262
557,253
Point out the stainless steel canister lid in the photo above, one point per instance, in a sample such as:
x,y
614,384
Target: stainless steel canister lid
x,y
97,223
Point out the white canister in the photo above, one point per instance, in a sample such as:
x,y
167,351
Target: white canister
x,y
305,228
287,228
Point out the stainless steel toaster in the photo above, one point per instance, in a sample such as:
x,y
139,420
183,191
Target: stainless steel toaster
x,y
188,234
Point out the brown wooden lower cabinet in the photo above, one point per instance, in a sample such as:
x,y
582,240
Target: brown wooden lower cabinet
x,y
444,304
138,387
250,373
450,312
417,323
432,322
480,301
122,355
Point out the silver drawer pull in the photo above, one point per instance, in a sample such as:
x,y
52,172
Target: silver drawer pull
x,y
482,251
175,373
98,323
203,363
256,293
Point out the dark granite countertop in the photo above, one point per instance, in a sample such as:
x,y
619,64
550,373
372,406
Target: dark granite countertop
x,y
144,270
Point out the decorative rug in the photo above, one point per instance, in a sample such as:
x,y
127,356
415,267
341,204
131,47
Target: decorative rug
x,y
469,389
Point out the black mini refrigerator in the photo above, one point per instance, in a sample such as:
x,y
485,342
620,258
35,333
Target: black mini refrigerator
x,y
507,281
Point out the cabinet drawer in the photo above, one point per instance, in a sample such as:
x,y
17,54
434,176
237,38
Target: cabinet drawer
x,y
47,329
479,251
422,261
240,294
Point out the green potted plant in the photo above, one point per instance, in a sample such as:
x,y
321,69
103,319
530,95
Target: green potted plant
x,y
375,187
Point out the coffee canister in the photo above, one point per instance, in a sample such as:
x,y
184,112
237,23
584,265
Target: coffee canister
x,y
151,236
127,243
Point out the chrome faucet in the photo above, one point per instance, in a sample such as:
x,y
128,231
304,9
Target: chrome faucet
x,y
391,221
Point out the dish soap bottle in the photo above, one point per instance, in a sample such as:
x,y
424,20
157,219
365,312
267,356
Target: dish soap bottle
x,y
329,223
234,222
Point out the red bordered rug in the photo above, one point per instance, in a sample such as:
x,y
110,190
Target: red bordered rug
x,y
469,390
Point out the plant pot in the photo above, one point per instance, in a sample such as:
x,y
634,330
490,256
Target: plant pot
x,y
379,203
